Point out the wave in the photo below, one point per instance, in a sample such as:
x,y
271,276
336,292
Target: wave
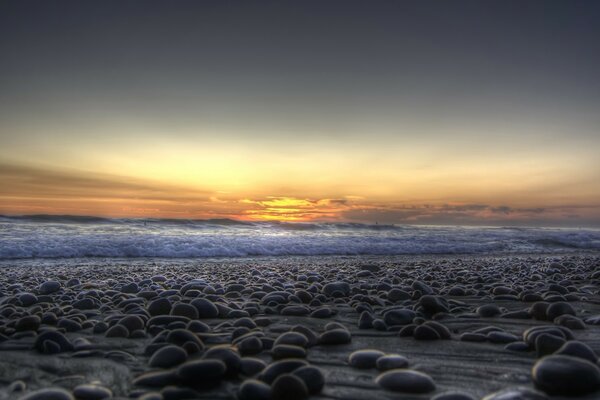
x,y
66,236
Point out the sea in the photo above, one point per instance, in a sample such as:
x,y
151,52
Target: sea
x,y
59,237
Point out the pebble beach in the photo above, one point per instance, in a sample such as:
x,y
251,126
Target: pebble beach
x,y
427,327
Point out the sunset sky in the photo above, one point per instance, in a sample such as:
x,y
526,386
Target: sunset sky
x,y
426,112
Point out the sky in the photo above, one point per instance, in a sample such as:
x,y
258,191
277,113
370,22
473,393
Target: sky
x,y
424,112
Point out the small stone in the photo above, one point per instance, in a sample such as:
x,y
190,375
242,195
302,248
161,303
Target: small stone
x,y
54,336
546,344
289,387
424,332
251,366
578,349
566,375
205,308
489,311
335,337
364,359
281,351
49,287
202,370
405,380
185,310
252,389
168,357
336,289
156,379
117,331
161,306
17,386
391,361
92,392
557,309
28,323
293,338
313,378
277,368
399,317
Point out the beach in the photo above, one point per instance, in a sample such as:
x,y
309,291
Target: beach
x,y
287,327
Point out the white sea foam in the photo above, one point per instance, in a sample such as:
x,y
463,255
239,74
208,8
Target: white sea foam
x,y
60,237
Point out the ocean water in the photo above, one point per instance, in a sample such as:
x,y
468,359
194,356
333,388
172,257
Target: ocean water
x,y
75,237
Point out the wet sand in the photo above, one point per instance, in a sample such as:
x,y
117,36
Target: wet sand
x,y
283,328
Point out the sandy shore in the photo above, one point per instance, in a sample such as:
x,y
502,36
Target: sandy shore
x,y
287,328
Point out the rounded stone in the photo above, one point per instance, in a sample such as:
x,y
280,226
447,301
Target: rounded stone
x,y
405,380
364,359
578,349
205,308
185,310
117,331
49,287
399,317
313,378
28,323
332,288
281,351
92,392
161,306
289,387
277,368
202,370
557,309
252,389
251,366
391,361
489,311
54,336
566,375
132,322
335,336
168,356
228,356
424,332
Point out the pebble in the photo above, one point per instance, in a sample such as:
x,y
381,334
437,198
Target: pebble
x,y
313,378
289,387
335,337
91,392
49,287
252,389
399,317
167,357
277,368
566,375
391,361
364,359
407,381
205,308
424,332
204,370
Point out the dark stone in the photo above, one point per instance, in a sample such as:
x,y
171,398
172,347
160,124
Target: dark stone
x,y
566,375
168,356
405,380
289,387
364,359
